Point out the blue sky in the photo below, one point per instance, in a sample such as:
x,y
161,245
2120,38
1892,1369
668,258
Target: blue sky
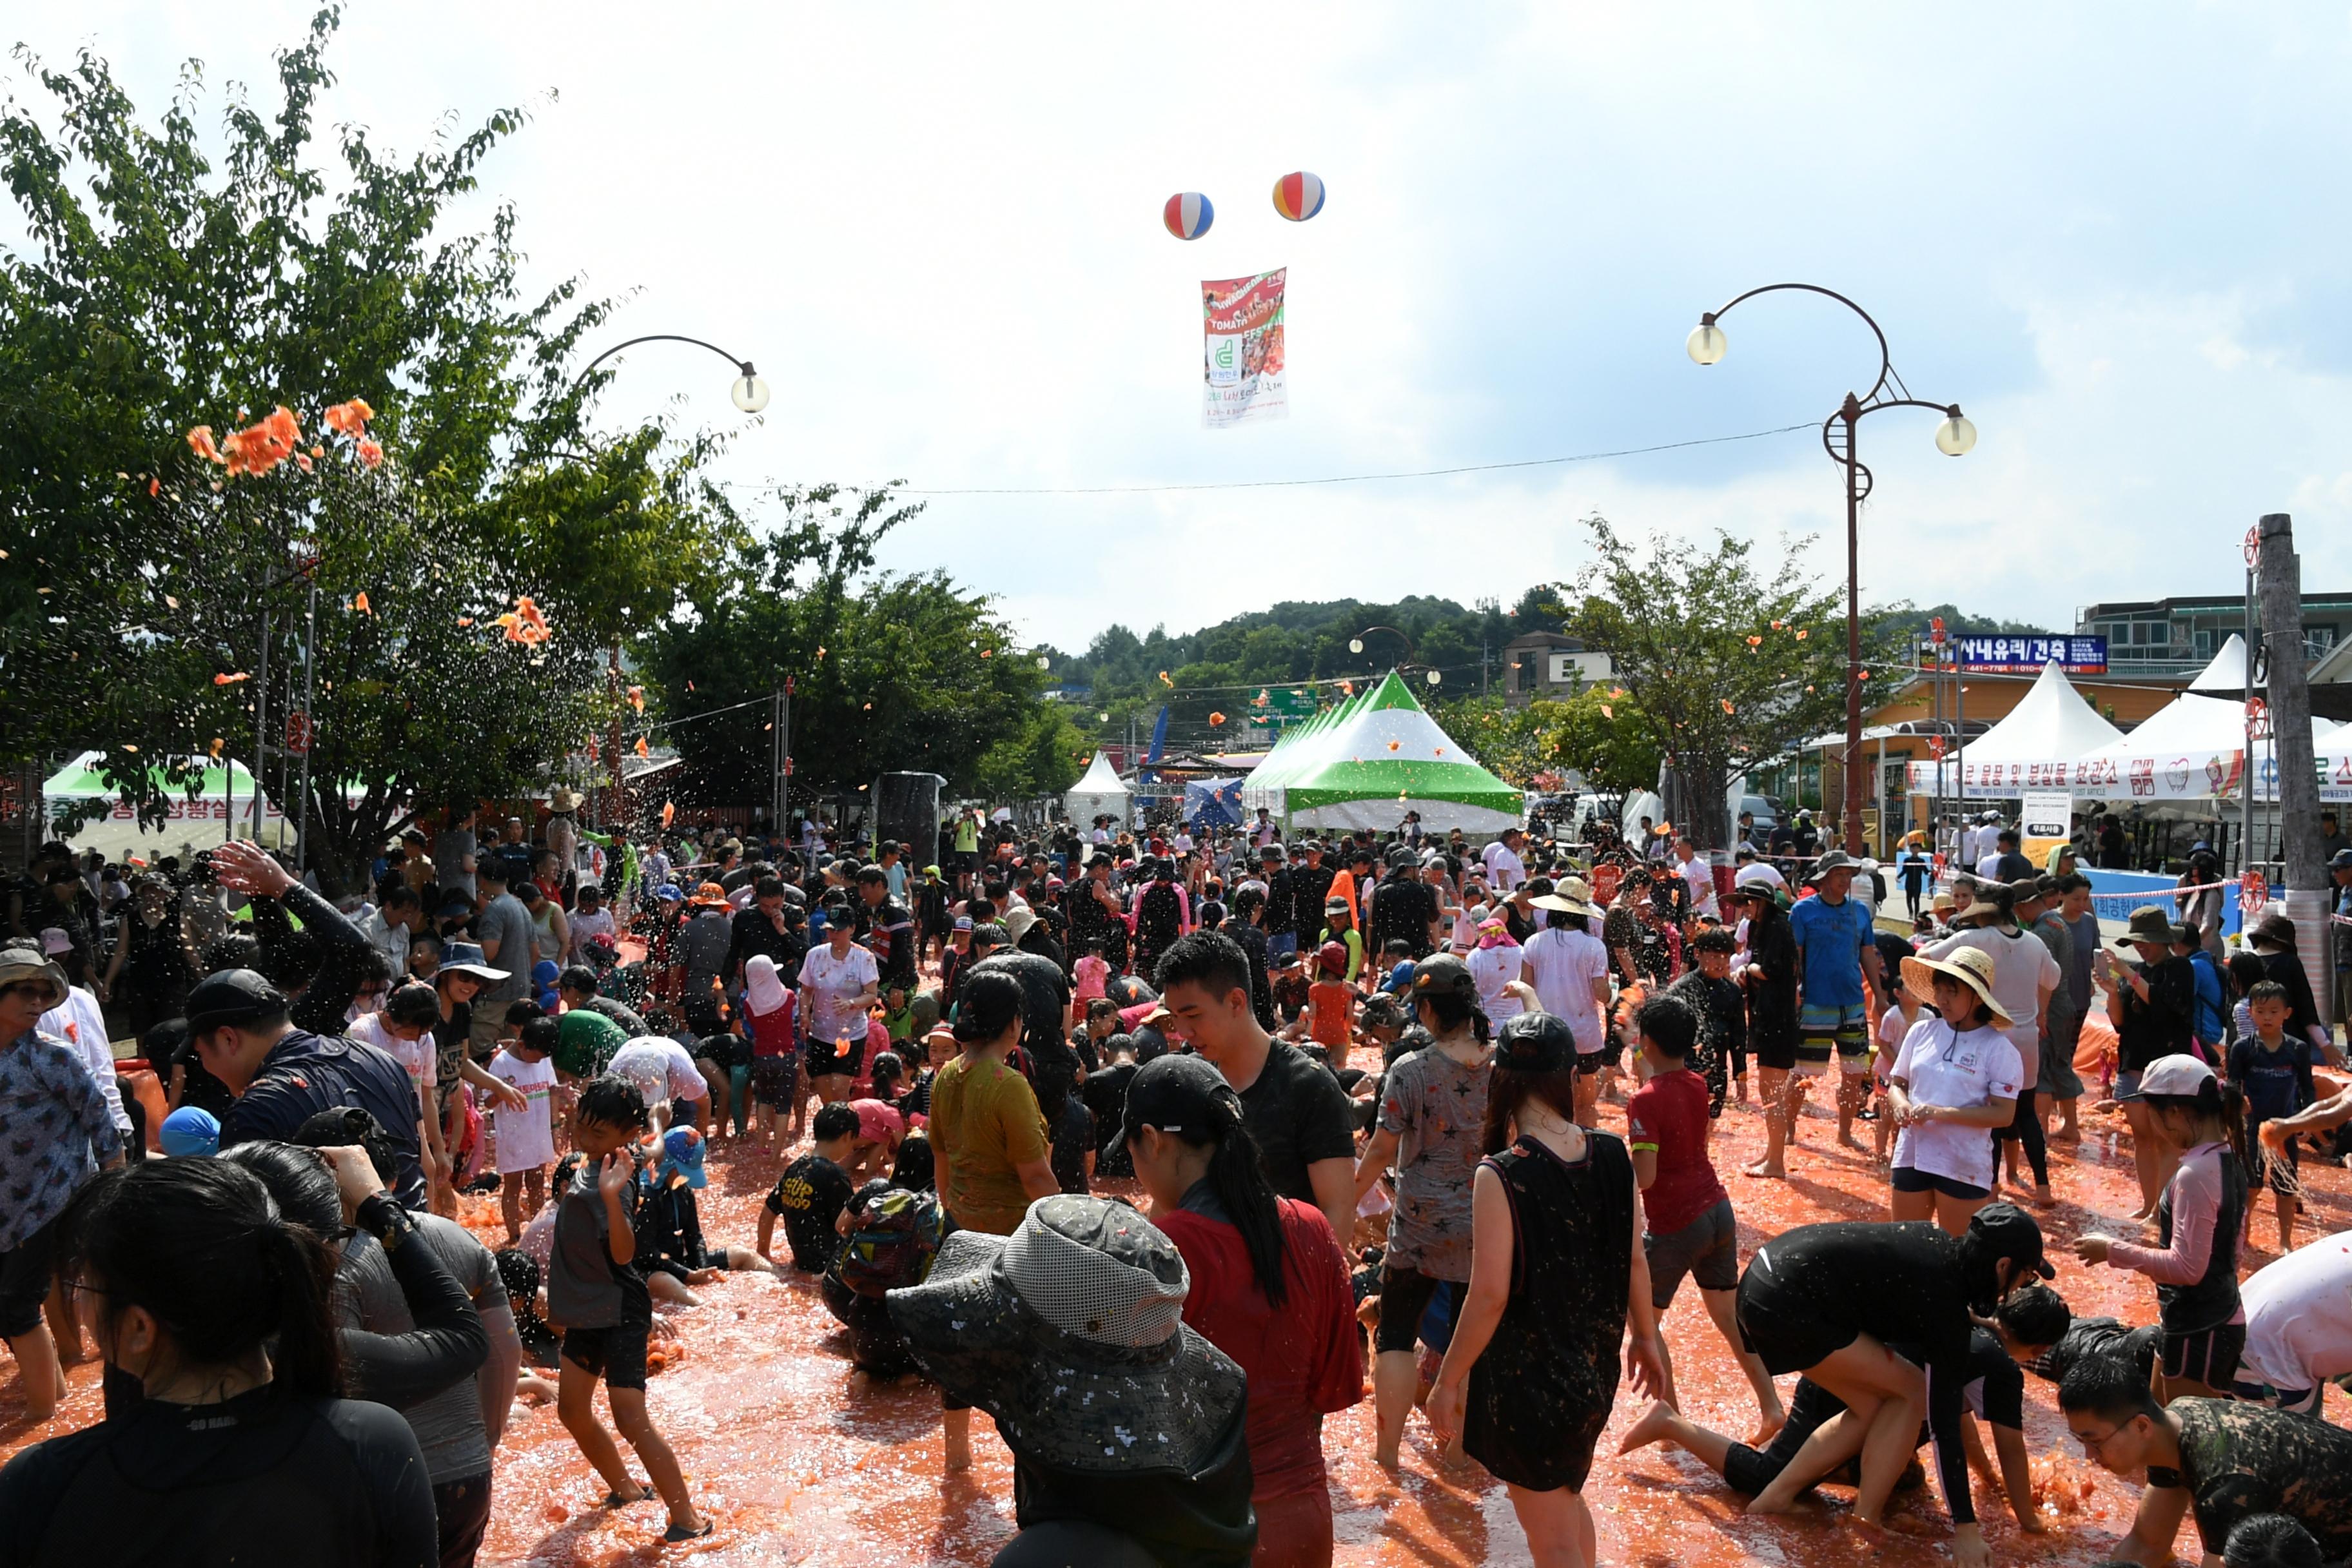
x,y
2115,235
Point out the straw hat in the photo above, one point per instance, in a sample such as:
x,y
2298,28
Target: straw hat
x,y
564,799
1971,966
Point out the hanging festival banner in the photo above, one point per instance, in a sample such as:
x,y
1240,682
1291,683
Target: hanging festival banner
x,y
1242,358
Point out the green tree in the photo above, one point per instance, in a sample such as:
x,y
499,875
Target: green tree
x,y
161,288
1727,665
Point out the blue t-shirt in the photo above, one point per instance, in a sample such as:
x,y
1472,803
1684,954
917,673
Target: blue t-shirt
x,y
2274,1083
1829,941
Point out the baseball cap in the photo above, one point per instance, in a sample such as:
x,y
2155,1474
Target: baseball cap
x,y
2341,861
231,996
1534,1042
1179,1094
682,1147
2012,1233
1442,975
2180,1074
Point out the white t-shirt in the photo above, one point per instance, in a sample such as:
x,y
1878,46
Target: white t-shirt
x,y
80,1023
1504,869
1699,876
2299,1315
416,1057
831,985
1956,1068
1892,1028
526,1138
1757,871
660,1068
586,929
1494,968
1565,963
2021,965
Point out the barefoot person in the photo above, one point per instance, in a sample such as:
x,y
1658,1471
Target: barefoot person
x,y
1954,1082
1838,967
1770,977
1558,1280
1828,1300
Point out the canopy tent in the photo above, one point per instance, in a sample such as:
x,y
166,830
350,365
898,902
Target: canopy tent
x,y
1371,761
2040,745
188,825
2194,747
1098,794
1213,803
2226,676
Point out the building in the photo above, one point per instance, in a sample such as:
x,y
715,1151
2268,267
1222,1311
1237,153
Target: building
x,y
1550,665
2178,635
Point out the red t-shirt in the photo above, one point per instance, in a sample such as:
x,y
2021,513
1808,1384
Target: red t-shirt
x,y
1304,1358
1668,1114
773,1032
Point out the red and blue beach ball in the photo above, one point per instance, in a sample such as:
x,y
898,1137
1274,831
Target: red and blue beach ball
x,y
1188,214
1298,195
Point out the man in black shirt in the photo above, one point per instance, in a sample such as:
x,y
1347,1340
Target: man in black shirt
x,y
1281,927
765,928
886,926
1309,885
1295,1107
1404,909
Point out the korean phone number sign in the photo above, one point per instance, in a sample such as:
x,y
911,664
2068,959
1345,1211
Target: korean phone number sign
x,y
2027,655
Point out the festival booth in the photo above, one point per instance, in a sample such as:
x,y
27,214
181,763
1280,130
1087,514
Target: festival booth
x,y
224,791
1374,759
1099,792
2039,746
1213,803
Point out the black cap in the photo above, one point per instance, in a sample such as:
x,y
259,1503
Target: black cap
x,y
2011,1233
1443,975
344,1125
231,996
1534,1042
1181,1094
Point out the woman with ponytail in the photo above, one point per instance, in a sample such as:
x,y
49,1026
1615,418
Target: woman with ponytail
x,y
223,1431
1269,1287
1432,1111
2199,1222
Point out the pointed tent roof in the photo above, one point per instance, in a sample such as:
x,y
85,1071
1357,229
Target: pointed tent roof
x,y
2226,676
2037,746
2193,746
1099,792
1382,755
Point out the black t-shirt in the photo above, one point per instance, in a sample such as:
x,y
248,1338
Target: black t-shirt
x,y
262,1478
1402,908
1299,1114
2160,1026
1104,1093
755,933
1074,1140
810,1196
305,1073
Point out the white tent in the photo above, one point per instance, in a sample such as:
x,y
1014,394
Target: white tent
x,y
2040,745
2193,748
1098,794
2226,676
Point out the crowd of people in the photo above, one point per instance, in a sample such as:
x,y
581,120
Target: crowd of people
x,y
1159,1147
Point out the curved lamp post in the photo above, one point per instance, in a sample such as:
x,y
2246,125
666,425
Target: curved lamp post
x,y
1356,644
747,390
1954,437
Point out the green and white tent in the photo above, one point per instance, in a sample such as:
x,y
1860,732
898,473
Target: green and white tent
x,y
1375,757
188,824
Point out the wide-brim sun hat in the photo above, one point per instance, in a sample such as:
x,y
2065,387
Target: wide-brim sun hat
x,y
710,896
1836,860
2148,923
1070,1333
1560,904
21,964
1971,966
466,958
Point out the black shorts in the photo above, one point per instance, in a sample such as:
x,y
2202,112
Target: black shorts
x,y
1405,1293
1707,1249
831,1058
2208,1356
1786,1334
1910,1180
771,1081
1775,1048
616,1355
24,1272
2282,1176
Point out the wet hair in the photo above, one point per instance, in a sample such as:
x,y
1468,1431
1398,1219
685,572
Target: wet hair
x,y
886,1072
916,1168
1667,1022
1508,1090
518,1272
988,933
2270,1540
613,1102
2214,1100
991,1003
542,1034
1237,1177
520,1014
1102,1007
577,977
199,1245
161,1046
1246,901
768,887
414,1003
299,1181
1715,939
869,875
834,1121
2034,1315
2108,1388
2266,991
400,895
1210,960
290,961
1452,1010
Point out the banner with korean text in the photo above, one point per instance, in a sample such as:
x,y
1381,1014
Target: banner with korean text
x,y
1243,356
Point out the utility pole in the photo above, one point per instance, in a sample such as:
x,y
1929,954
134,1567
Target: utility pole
x,y
260,727
2278,573
309,723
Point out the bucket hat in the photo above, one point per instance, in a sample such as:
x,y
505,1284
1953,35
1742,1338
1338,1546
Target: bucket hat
x,y
2147,923
1070,1333
1836,860
22,964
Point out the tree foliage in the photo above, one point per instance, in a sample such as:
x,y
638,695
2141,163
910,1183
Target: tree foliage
x,y
170,282
1727,664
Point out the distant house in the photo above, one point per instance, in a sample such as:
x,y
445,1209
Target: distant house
x,y
2178,635
1549,664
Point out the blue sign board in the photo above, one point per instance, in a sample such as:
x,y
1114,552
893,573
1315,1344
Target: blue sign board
x,y
2025,655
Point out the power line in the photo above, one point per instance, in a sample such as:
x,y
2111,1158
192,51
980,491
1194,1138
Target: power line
x,y
1356,478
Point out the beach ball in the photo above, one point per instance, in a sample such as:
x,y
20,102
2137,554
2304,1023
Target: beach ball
x,y
1298,195
1188,214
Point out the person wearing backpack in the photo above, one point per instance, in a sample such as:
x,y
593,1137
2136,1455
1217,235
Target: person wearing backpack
x,y
889,1236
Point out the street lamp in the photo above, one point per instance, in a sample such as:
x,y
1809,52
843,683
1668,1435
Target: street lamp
x,y
747,390
1954,437
1356,644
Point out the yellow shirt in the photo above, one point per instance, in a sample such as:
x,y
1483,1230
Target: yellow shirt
x,y
984,1122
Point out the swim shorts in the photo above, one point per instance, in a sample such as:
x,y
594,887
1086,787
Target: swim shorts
x,y
1832,1031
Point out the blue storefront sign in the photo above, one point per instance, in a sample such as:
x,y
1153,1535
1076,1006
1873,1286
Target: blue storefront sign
x,y
2020,655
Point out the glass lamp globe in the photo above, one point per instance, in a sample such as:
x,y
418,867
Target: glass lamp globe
x,y
750,392
1355,645
1433,678
1955,436
1706,344
1043,661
